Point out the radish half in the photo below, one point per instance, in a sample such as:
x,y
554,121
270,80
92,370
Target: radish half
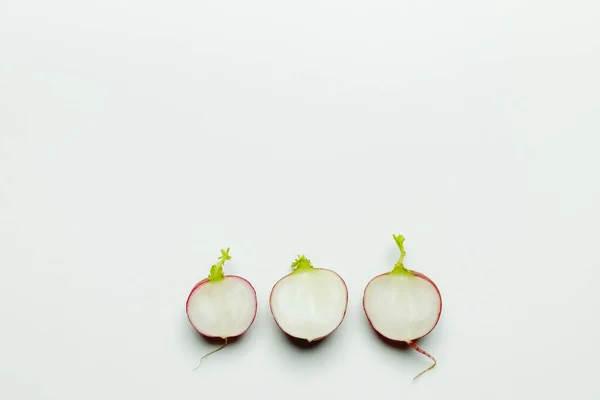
x,y
403,305
309,303
222,306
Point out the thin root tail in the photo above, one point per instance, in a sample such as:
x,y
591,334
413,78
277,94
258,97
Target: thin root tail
x,y
426,354
212,352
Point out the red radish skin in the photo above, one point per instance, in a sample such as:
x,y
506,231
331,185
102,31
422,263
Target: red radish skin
x,y
395,283
221,306
303,266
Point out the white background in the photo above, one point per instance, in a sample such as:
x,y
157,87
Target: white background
x,y
138,138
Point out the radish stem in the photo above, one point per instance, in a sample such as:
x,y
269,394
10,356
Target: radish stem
x,y
302,264
420,350
212,352
399,268
216,271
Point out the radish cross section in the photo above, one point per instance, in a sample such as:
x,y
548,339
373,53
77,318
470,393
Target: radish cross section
x,y
222,306
310,303
403,305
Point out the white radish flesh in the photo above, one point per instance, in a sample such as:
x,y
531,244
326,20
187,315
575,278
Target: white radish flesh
x,y
403,305
310,303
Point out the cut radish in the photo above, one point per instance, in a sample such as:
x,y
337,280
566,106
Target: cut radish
x,y
222,306
310,303
403,305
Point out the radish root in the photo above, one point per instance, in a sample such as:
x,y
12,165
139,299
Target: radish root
x,y
420,350
212,352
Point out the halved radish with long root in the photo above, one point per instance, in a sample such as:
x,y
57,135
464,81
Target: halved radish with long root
x,y
309,303
403,305
221,306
